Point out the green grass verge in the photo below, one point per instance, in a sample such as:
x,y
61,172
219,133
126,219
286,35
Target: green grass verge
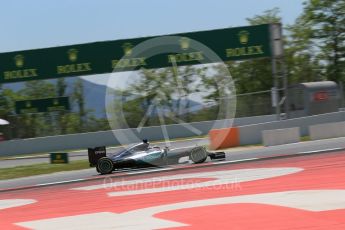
x,y
305,138
38,169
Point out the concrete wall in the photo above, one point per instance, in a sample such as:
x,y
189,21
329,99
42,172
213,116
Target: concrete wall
x,y
280,136
251,134
329,130
108,138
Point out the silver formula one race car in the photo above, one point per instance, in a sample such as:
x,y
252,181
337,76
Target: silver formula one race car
x,y
143,155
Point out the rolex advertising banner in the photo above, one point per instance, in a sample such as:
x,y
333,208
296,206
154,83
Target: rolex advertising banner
x,y
104,57
43,105
59,158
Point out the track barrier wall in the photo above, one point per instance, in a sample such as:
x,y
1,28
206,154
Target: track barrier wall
x,y
107,138
329,130
249,132
224,138
252,134
280,136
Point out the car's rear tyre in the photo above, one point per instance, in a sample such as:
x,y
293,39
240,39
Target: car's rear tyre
x,y
198,155
105,165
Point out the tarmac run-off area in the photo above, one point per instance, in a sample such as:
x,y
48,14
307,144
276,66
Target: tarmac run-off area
x,y
304,192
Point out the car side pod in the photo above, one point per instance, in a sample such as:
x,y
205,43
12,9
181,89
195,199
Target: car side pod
x,y
217,156
95,154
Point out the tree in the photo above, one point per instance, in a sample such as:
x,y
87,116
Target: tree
x,y
325,24
33,125
78,96
301,63
160,94
220,92
7,98
268,16
61,87
38,89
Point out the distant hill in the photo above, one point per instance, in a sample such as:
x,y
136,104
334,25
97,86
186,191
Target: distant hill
x,y
94,94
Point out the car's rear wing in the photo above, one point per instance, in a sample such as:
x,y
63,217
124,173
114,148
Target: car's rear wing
x,y
95,154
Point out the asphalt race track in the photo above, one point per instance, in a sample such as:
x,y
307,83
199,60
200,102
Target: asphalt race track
x,y
82,154
280,149
301,192
243,155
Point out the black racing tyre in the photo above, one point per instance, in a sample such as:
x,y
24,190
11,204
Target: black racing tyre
x,y
105,165
198,155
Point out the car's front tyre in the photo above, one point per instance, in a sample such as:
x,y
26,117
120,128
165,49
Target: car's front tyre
x,y
105,165
198,155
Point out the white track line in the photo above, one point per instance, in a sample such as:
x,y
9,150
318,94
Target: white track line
x,y
321,150
60,182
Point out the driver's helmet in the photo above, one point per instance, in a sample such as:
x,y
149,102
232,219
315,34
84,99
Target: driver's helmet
x,y
146,143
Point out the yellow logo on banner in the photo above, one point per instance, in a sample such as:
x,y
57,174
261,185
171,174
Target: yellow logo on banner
x,y
55,102
127,48
72,54
73,68
184,43
28,104
243,37
19,60
19,73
